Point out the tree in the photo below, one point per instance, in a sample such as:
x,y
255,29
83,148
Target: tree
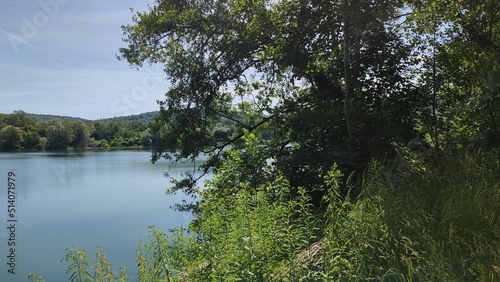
x,y
458,45
3,118
11,138
20,119
58,136
146,138
81,134
107,130
31,139
291,59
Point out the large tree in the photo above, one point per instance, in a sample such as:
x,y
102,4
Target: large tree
x,y
58,136
11,137
327,79
81,134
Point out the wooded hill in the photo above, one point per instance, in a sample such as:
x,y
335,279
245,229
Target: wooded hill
x,y
144,117
20,130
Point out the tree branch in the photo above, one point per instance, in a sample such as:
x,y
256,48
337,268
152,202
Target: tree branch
x,y
236,138
230,118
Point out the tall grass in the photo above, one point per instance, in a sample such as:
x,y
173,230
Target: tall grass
x,y
419,222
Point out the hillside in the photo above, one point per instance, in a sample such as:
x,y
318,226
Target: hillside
x,y
21,130
41,117
144,117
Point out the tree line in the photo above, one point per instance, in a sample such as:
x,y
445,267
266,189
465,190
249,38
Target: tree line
x,y
20,131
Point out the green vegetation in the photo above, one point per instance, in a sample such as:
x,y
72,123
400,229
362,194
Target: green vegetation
x,y
47,118
81,270
414,221
11,137
144,118
20,130
433,222
366,147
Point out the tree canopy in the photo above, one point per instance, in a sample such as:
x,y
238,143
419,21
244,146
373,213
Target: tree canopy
x,y
327,83
20,130
10,137
330,81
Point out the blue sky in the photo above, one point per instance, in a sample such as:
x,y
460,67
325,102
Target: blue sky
x,y
59,57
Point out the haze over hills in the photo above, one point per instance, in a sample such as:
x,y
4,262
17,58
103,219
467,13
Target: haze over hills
x,y
144,117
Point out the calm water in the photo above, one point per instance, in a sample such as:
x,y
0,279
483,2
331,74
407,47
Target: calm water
x,y
87,199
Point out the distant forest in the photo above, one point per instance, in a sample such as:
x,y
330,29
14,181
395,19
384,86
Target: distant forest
x,y
21,130
144,117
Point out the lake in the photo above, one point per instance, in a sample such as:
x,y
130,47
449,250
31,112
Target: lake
x,y
83,199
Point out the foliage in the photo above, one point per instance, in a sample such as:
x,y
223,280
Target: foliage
x,y
164,256
357,130
19,119
248,224
421,222
31,139
458,46
58,135
81,135
49,118
141,118
55,133
10,137
316,78
243,237
34,277
82,271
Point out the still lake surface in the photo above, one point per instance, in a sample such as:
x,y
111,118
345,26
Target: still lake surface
x,y
84,199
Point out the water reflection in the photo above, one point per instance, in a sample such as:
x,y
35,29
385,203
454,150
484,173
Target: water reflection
x,y
85,199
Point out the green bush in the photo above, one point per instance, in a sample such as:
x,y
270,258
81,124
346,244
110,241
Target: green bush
x,y
244,237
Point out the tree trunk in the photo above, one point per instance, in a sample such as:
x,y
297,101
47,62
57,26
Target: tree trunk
x,y
351,68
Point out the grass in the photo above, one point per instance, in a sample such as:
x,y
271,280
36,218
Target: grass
x,y
420,222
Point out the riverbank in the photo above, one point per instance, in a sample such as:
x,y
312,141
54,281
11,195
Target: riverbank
x,y
414,221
